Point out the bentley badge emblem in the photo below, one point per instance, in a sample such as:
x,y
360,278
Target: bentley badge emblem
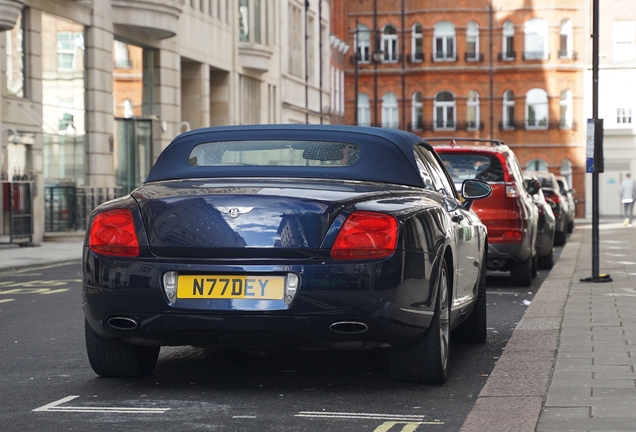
x,y
235,212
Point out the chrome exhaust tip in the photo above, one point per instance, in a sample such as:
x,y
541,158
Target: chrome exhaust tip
x,y
123,323
348,327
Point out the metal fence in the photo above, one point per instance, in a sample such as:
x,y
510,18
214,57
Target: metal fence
x,y
16,216
68,207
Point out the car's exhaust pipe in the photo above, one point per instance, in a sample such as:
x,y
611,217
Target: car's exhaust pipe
x,y
123,323
348,327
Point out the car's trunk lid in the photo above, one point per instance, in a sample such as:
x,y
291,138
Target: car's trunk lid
x,y
258,219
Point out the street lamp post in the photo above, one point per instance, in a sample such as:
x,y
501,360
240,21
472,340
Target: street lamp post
x,y
356,60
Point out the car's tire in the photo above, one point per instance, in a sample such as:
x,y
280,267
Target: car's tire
x,y
474,329
535,266
547,262
570,227
426,361
521,273
114,358
559,238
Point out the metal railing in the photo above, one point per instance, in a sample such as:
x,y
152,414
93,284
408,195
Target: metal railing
x,y
68,207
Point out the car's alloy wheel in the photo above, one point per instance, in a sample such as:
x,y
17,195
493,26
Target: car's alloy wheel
x,y
521,273
426,360
474,329
115,358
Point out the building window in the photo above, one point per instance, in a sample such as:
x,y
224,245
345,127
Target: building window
x,y
565,41
363,43
364,110
537,109
296,40
444,111
390,111
250,100
508,110
244,20
537,165
444,41
624,33
566,171
15,59
508,41
472,42
472,110
122,56
417,120
68,43
250,20
565,105
417,53
536,40
623,115
389,44
311,43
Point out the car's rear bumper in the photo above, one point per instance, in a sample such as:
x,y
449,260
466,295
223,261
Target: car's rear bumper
x,y
501,255
388,302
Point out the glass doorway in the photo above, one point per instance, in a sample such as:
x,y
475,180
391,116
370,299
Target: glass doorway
x,y
132,152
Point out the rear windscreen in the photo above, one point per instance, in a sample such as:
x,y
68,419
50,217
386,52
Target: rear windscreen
x,y
466,166
275,153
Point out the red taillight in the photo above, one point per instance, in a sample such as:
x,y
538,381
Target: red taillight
x,y
366,235
511,190
554,197
514,234
113,233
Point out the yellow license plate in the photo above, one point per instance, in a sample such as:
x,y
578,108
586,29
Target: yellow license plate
x,y
230,287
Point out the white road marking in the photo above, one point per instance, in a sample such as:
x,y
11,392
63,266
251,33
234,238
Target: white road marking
x,y
408,426
6,300
55,407
366,416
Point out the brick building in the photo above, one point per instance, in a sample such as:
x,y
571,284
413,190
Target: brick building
x,y
514,72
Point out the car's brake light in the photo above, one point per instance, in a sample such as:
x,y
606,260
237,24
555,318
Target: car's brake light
x,y
366,235
511,190
554,197
513,234
113,233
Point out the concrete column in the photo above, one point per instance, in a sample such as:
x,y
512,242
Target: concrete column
x,y
166,94
195,94
99,95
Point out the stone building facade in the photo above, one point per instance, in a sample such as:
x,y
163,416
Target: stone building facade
x,y
616,100
513,71
92,91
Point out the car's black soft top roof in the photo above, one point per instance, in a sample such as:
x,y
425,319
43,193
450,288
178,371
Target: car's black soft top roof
x,y
386,154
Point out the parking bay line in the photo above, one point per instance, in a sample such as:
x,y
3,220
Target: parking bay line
x,y
368,416
55,407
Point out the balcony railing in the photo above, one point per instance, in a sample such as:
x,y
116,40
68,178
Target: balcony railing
x,y
507,56
417,57
441,56
536,55
568,55
470,125
473,57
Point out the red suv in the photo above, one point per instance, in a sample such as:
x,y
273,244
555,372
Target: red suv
x,y
509,213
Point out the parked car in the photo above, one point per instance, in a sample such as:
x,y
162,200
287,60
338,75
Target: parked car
x,y
546,224
569,198
271,236
509,213
551,190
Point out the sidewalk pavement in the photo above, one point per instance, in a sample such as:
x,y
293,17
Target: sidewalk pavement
x,y
570,364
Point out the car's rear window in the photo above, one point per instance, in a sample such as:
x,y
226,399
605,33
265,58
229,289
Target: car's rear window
x,y
275,153
465,166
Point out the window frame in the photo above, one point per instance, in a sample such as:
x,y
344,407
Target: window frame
x,y
417,41
444,33
508,114
389,43
445,107
531,107
473,105
417,111
535,30
364,109
472,31
390,111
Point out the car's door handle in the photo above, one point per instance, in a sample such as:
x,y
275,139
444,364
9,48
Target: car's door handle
x,y
457,218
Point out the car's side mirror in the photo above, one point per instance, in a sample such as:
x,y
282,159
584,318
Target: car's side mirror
x,y
475,189
533,186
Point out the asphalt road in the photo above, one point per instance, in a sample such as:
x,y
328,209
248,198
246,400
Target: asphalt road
x,y
46,382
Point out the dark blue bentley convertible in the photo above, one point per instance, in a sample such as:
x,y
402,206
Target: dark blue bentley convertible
x,y
304,236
